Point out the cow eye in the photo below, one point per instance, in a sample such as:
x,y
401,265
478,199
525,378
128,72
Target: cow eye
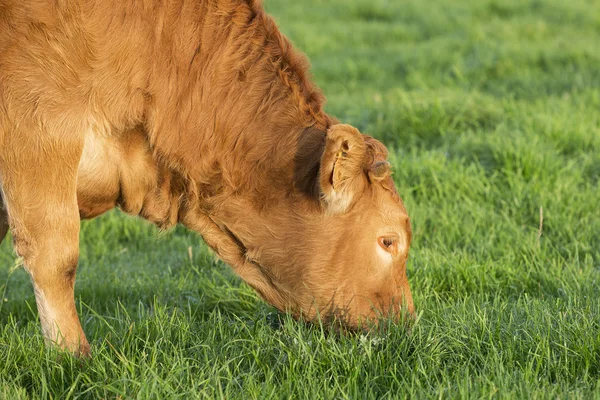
x,y
389,243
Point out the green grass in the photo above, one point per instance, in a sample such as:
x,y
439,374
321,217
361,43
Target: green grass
x,y
491,110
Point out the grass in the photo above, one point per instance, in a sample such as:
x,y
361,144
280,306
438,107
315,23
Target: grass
x,y
491,113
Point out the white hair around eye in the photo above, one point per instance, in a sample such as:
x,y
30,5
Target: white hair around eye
x,y
385,257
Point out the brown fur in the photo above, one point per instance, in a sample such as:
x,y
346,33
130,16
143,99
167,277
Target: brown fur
x,y
198,112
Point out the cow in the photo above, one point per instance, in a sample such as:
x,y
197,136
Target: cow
x,y
197,112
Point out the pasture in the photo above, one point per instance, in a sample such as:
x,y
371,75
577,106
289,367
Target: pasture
x,y
491,112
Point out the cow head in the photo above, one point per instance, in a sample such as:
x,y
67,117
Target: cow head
x,y
358,244
325,234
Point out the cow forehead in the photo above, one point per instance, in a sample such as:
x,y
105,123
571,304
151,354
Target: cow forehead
x,y
390,207
391,214
377,213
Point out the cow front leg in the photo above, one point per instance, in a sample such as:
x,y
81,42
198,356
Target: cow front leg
x,y
39,174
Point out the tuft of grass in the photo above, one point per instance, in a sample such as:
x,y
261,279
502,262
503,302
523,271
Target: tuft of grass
x,y
490,111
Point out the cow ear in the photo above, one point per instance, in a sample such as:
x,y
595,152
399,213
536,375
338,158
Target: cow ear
x,y
341,164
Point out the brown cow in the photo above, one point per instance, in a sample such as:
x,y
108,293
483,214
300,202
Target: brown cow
x,y
196,112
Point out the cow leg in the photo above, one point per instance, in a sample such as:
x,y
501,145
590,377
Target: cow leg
x,y
39,174
3,220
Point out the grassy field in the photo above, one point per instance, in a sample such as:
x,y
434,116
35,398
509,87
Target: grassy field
x,y
491,110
